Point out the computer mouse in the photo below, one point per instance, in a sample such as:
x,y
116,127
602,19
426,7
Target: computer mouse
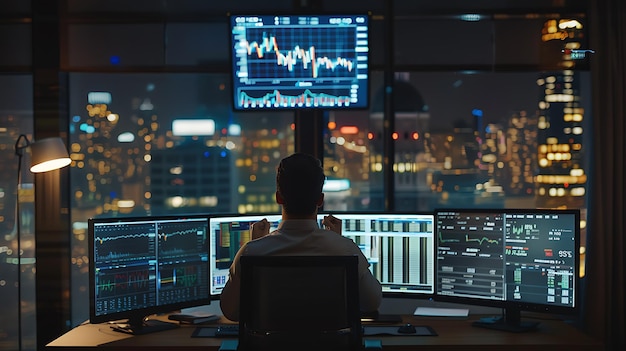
x,y
407,329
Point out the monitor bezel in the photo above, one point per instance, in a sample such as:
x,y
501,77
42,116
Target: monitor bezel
x,y
233,66
139,314
515,307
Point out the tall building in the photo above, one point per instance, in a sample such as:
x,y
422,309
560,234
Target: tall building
x,y
9,132
561,180
258,154
192,177
518,166
102,164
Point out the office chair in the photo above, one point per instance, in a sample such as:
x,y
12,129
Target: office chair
x,y
299,303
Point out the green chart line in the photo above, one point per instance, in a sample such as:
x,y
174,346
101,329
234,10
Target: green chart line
x,y
442,240
468,239
481,240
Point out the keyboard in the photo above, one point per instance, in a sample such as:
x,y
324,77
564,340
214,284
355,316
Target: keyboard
x,y
227,331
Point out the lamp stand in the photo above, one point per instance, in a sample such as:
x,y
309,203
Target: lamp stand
x,y
46,155
19,151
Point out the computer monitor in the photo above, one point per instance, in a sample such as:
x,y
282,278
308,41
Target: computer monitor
x,y
146,265
227,234
514,259
282,62
399,247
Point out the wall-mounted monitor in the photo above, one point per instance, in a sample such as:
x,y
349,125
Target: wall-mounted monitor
x,y
228,233
514,259
141,266
399,248
299,61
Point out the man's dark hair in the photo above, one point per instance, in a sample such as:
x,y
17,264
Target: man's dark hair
x,y
299,181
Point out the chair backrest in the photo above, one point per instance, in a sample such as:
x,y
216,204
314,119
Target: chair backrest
x,y
300,303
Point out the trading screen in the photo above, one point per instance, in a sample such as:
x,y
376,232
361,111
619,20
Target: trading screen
x,y
399,247
299,61
527,257
227,234
149,262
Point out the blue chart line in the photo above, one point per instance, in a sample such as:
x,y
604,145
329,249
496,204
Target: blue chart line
x,y
105,239
300,61
126,246
185,241
165,236
307,98
303,54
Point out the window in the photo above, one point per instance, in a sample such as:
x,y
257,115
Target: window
x,y
481,119
475,140
16,118
152,144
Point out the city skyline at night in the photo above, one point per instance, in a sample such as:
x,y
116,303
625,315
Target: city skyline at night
x,y
128,160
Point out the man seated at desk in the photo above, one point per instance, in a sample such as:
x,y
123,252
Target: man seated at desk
x,y
299,181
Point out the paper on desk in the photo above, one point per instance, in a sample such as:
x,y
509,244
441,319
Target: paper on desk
x,y
441,312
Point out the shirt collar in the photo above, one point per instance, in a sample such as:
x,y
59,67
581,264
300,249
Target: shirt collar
x,y
298,224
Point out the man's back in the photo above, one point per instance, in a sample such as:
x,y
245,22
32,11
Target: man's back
x,y
302,238
299,182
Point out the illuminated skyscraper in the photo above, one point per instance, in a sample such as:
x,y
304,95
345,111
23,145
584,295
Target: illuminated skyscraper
x,y
191,178
519,161
561,180
9,132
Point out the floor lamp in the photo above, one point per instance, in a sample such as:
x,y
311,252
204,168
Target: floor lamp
x,y
46,155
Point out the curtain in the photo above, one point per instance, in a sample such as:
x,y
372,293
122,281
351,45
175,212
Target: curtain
x,y
604,306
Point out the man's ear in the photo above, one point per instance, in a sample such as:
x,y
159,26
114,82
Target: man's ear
x,y
320,201
279,199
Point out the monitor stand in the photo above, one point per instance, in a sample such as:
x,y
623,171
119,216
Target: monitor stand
x,y
511,322
141,326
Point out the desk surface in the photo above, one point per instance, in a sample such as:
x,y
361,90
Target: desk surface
x,y
452,333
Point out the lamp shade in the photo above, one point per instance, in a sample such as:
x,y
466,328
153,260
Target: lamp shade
x,y
48,154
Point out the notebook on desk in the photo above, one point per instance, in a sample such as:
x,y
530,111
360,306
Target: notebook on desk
x,y
441,312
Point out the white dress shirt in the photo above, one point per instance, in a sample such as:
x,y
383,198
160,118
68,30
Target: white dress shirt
x,y
301,237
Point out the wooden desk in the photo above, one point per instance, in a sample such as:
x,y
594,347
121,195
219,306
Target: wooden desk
x,y
453,334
